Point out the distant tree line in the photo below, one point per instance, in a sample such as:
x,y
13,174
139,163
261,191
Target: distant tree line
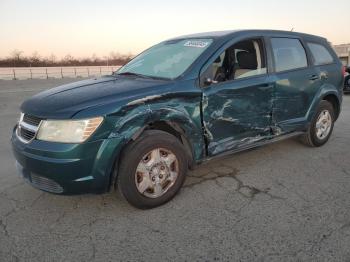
x,y
18,59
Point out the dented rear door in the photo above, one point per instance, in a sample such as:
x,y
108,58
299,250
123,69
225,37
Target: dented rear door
x,y
237,113
296,84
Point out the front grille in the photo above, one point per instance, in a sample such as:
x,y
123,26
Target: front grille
x,y
28,127
26,134
32,120
45,184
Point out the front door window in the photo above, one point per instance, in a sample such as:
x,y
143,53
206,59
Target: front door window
x,y
241,60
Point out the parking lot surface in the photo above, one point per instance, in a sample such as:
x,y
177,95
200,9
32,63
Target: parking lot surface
x,y
281,202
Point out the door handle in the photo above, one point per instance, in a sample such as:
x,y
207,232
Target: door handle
x,y
314,77
266,86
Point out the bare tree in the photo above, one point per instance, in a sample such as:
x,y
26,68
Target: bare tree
x,y
16,56
18,59
35,58
107,60
68,59
95,59
52,58
114,55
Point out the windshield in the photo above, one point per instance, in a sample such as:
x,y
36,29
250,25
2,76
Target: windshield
x,y
168,59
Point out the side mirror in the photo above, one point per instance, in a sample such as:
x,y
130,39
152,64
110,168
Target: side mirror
x,y
208,81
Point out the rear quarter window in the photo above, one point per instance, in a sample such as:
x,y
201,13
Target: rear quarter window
x,y
288,53
320,53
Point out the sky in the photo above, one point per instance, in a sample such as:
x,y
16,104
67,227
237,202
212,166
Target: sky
x,y
85,27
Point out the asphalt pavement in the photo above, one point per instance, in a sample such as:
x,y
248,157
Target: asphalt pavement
x,y
280,202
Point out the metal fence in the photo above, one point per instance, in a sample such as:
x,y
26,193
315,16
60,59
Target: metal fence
x,y
55,72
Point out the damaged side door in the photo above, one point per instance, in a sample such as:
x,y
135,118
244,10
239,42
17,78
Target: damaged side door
x,y
237,96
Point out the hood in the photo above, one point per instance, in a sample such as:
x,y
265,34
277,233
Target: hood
x,y
64,101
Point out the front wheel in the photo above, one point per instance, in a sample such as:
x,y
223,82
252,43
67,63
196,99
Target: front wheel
x,y
321,126
152,169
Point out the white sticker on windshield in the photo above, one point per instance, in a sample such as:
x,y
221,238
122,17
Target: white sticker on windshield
x,y
199,44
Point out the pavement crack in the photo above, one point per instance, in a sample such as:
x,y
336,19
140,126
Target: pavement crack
x,y
93,255
5,196
249,191
37,199
346,225
4,228
60,217
345,171
246,191
209,177
3,192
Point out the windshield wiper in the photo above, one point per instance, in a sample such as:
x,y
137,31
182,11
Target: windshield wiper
x,y
132,74
141,75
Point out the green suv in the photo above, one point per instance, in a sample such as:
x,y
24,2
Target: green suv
x,y
177,104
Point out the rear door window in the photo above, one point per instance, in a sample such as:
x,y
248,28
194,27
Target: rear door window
x,y
288,54
320,53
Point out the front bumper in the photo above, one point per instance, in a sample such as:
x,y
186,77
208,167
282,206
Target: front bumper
x,y
67,168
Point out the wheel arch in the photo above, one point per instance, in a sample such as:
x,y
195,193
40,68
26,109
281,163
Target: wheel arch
x,y
174,122
334,100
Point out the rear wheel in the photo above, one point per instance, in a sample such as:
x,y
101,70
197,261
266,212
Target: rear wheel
x,y
152,169
321,126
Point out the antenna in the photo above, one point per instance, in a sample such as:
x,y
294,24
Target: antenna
x,y
292,29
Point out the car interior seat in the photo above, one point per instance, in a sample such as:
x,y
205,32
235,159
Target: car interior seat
x,y
246,62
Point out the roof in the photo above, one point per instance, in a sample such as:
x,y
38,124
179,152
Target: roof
x,y
213,34
228,33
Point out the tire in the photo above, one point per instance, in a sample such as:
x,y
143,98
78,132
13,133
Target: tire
x,y
311,138
152,146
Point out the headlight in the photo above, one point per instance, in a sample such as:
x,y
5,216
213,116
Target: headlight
x,y
68,131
